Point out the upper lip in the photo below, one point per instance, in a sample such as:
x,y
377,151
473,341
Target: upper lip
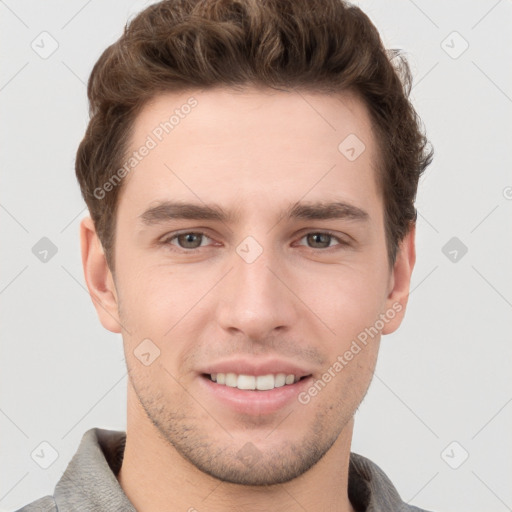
x,y
255,367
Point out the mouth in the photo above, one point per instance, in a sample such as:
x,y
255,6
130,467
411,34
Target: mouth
x,y
245,382
253,395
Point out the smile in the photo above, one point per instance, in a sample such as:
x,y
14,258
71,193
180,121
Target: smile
x,y
254,382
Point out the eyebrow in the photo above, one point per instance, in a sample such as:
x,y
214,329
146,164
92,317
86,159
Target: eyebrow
x,y
169,210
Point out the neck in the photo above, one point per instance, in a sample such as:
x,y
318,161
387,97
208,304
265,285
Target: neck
x,y
154,476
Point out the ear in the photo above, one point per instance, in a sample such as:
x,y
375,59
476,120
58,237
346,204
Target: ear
x,y
400,281
98,277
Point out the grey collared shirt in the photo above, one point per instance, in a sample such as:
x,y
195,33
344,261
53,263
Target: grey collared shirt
x,y
89,483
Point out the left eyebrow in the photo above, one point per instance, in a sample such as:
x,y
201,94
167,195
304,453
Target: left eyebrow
x,y
168,210
326,211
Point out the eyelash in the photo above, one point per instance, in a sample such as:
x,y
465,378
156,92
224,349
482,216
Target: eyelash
x,y
167,241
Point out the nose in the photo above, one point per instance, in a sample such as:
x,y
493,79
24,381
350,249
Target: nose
x,y
257,297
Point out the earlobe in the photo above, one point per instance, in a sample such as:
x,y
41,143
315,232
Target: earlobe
x,y
98,277
396,302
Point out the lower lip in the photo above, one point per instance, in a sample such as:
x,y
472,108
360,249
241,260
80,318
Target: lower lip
x,y
255,402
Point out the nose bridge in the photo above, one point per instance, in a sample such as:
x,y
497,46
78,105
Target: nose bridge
x,y
254,300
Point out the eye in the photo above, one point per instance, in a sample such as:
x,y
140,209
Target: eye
x,y
322,240
189,240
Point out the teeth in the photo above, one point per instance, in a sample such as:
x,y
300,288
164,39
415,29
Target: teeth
x,y
231,380
246,382
264,382
280,380
261,382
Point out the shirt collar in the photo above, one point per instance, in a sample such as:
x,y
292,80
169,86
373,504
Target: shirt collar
x,y
89,482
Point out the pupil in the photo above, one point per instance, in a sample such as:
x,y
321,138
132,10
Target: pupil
x,y
189,239
317,238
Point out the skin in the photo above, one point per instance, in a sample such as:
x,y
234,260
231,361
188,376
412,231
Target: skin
x,y
303,299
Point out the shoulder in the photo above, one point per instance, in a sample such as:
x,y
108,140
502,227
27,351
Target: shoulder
x,y
370,489
46,504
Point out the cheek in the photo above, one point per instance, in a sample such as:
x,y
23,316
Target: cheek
x,y
169,308
151,303
346,299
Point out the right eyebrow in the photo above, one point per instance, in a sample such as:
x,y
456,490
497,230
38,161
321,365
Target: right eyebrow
x,y
168,210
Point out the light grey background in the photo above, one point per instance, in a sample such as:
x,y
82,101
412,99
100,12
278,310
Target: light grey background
x,y
444,377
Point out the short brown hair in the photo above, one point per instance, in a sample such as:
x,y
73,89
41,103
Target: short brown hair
x,y
317,45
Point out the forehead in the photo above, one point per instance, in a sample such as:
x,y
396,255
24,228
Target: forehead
x,y
251,143
212,113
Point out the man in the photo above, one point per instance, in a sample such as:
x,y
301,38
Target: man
x,y
250,169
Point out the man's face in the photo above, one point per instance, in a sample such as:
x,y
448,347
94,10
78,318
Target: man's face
x,y
260,292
